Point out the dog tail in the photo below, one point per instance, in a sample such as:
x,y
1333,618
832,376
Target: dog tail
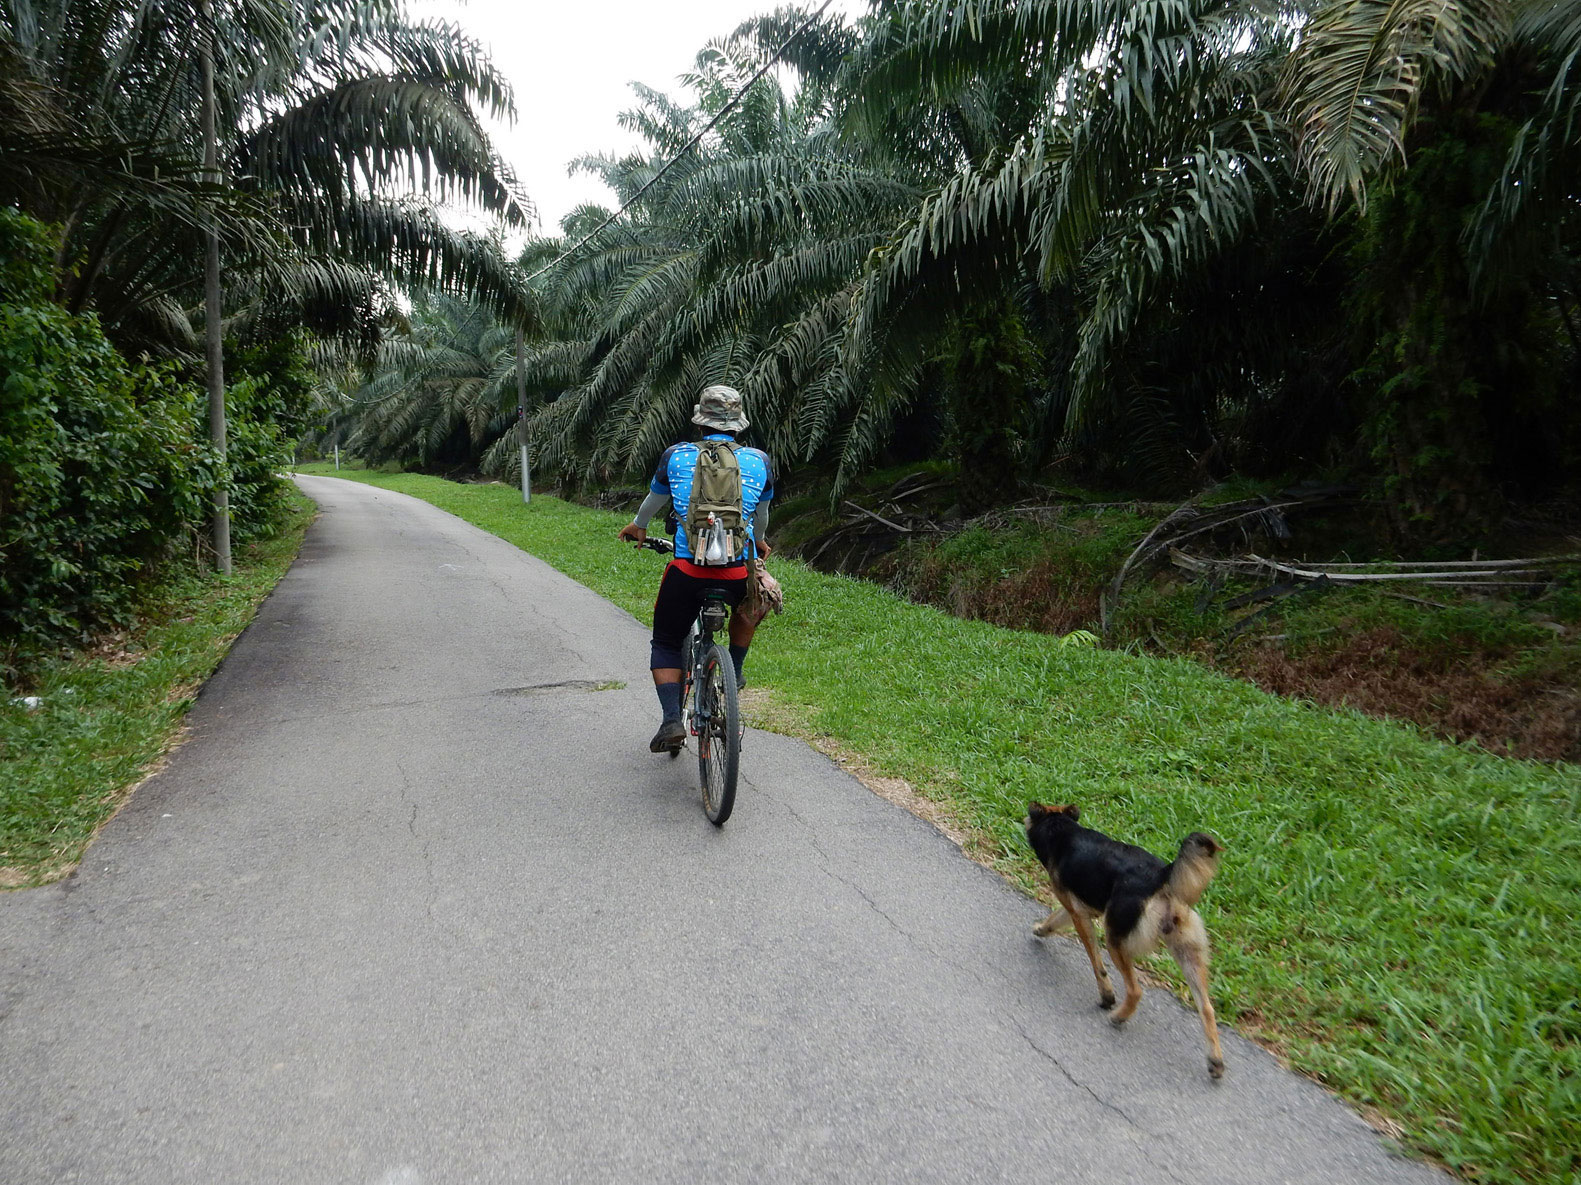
x,y
1193,869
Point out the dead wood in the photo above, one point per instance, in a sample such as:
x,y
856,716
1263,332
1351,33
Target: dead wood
x,y
877,518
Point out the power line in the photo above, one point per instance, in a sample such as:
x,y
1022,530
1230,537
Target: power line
x,y
691,144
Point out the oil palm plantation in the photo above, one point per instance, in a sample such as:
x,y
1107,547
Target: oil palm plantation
x,y
1164,238
1196,194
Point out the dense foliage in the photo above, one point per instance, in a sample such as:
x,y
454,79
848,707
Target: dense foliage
x,y
1217,235
106,471
271,400
101,469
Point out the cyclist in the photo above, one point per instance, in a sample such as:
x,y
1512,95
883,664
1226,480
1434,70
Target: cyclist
x,y
718,412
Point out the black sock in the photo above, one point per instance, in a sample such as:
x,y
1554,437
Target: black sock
x,y
669,699
738,655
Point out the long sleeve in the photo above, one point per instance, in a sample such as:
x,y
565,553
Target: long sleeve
x,y
651,505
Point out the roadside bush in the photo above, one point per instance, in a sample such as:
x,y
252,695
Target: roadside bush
x,y
101,473
269,405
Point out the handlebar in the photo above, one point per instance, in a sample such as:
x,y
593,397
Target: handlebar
x,y
666,546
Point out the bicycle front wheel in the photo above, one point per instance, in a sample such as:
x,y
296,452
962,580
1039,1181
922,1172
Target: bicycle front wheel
x,y
718,734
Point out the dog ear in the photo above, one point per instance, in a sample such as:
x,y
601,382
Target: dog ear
x,y
1071,809
1036,808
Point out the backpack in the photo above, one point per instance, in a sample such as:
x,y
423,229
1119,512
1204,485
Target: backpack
x,y
716,491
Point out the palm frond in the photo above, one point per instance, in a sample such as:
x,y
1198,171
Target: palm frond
x,y
1358,75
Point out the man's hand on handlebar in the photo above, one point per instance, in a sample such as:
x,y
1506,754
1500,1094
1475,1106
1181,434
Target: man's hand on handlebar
x,y
639,538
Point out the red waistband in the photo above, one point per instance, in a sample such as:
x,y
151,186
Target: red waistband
x,y
687,568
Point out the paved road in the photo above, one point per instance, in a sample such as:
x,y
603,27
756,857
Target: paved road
x,y
414,906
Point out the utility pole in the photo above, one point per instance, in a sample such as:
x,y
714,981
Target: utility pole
x,y
212,306
521,413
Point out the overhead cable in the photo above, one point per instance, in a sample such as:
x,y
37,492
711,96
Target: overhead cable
x,y
691,144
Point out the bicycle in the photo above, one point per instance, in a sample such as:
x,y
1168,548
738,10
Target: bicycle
x,y
710,708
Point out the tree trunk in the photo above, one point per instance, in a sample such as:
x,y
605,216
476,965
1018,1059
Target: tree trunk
x,y
988,401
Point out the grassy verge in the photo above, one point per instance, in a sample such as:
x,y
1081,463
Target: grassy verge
x,y
104,719
1397,915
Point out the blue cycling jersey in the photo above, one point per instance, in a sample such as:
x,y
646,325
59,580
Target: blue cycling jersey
x,y
673,479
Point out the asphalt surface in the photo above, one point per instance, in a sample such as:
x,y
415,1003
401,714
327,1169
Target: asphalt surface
x,y
414,905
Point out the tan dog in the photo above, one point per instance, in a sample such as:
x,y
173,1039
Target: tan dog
x,y
1144,903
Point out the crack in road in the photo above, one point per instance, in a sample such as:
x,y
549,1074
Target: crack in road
x,y
1135,1126
829,870
1143,1135
533,607
422,844
569,685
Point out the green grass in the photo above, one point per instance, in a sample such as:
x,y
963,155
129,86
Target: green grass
x,y
1398,916
105,720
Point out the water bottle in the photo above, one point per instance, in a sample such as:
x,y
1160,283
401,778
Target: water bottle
x,y
715,551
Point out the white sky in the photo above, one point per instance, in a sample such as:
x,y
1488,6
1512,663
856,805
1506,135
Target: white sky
x,y
572,63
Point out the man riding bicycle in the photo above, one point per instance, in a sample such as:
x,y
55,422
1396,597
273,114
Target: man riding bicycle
x,y
697,568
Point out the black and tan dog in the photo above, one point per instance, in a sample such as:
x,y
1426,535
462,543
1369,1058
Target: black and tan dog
x,y
1144,903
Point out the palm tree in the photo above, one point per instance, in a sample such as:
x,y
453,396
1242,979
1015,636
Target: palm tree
x,y
1145,152
438,388
736,267
1167,236
1449,130
341,122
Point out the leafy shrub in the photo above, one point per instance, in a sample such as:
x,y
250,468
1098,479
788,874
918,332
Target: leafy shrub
x,y
255,452
101,473
269,404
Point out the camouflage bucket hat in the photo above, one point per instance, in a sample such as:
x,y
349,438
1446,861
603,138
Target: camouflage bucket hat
x,y
719,408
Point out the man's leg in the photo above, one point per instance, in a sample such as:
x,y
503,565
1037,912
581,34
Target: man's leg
x,y
741,632
672,731
673,612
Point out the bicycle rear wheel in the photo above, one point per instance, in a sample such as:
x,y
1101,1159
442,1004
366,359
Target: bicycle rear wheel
x,y
718,734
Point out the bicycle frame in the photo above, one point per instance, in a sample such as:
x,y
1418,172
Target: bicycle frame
x,y
708,697
711,619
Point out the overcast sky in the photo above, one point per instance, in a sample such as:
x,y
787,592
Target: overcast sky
x,y
572,63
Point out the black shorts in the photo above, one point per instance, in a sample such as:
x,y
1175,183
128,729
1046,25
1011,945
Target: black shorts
x,y
681,591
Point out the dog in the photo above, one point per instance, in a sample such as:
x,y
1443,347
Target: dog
x,y
1144,903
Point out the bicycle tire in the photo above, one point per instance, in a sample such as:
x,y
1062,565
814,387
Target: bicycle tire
x,y
719,736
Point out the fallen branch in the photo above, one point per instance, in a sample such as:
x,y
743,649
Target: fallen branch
x,y
1436,577
877,518
1462,577
896,495
1185,512
1480,565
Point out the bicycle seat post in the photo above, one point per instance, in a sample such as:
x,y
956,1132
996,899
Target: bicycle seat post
x,y
714,612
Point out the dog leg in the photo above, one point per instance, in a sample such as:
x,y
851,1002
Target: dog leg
x,y
1090,944
1189,944
1133,985
1058,919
